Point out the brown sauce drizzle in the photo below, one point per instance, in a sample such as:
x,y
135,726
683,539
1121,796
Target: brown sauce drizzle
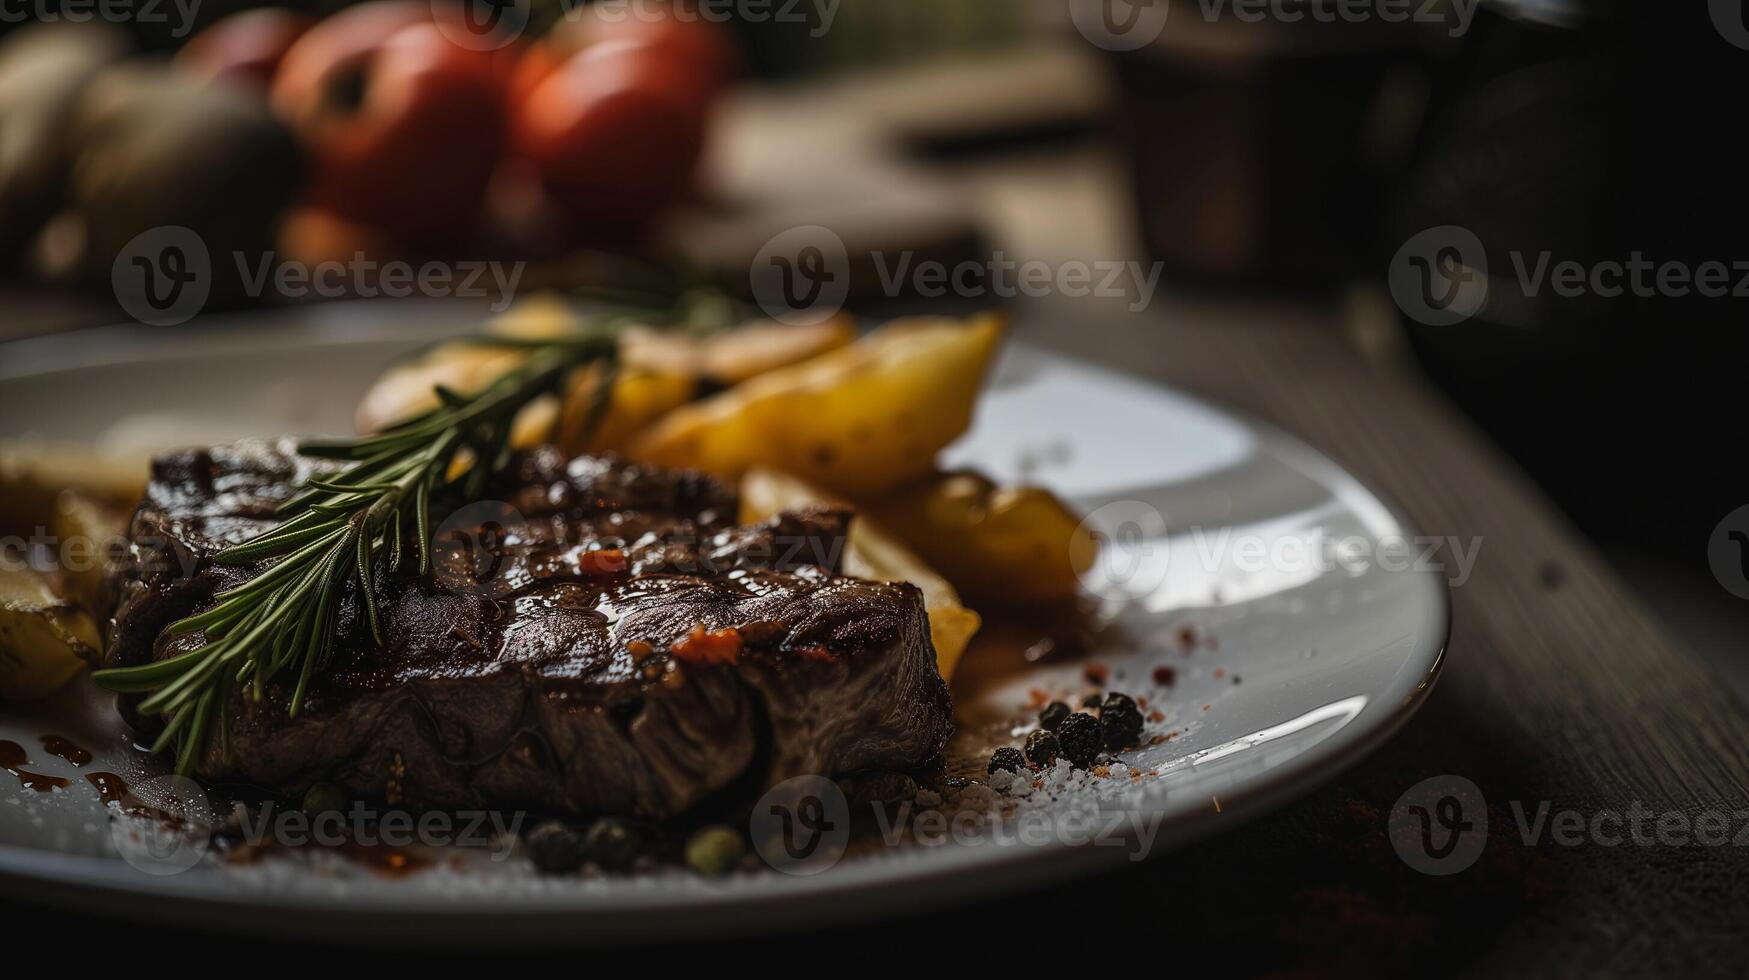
x,y
112,789
66,749
12,757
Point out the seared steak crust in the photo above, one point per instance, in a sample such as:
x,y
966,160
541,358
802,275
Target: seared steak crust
x,y
601,637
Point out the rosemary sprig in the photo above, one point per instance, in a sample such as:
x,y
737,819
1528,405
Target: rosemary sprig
x,y
339,527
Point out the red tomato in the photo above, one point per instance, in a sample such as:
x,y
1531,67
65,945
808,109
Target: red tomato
x,y
245,47
614,137
691,44
404,125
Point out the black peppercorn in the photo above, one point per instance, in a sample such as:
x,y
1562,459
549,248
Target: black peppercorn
x,y
554,848
1091,700
1079,738
1006,758
1120,722
1041,748
611,843
1053,715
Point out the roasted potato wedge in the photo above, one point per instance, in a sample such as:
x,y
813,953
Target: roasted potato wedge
x,y
90,537
995,544
860,420
872,553
659,372
640,397
44,639
33,474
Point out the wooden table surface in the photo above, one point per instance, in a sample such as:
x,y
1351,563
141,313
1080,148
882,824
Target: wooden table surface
x,y
1557,688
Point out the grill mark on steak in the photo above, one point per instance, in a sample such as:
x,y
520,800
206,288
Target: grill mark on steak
x,y
612,643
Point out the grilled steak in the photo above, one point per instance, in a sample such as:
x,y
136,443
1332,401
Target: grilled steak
x,y
601,639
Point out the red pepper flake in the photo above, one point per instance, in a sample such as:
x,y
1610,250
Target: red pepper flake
x,y
815,653
606,562
1187,638
1103,772
1156,716
1097,674
1165,676
709,647
1038,697
1220,672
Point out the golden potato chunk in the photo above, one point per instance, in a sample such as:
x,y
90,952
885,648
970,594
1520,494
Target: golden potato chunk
x,y
995,544
91,541
33,474
659,371
44,639
860,420
872,553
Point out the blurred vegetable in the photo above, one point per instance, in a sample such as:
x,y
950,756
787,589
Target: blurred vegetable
x,y
659,371
404,125
154,149
688,45
90,538
44,640
995,544
44,69
614,135
860,420
873,552
33,475
244,49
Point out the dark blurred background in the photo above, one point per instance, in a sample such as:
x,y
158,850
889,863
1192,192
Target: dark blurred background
x,y
1269,163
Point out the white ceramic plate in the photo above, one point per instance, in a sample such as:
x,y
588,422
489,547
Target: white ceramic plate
x,y
1283,596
